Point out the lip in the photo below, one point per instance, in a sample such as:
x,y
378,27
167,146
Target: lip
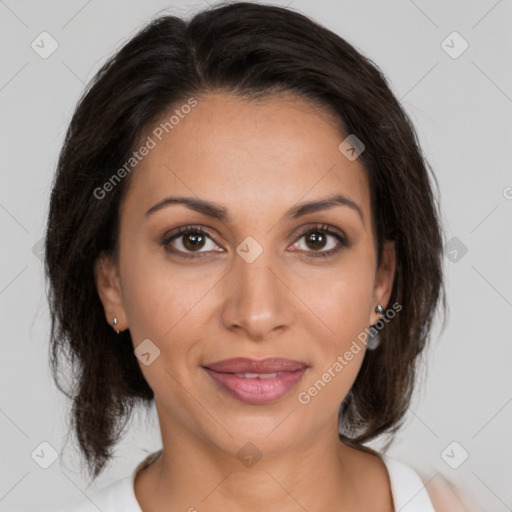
x,y
247,365
256,390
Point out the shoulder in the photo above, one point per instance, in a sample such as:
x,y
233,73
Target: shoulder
x,y
408,489
370,478
432,493
446,498
115,496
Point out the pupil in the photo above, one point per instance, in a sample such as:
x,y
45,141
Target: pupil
x,y
316,238
193,241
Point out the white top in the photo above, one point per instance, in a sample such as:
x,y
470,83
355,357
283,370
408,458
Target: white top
x,y
409,493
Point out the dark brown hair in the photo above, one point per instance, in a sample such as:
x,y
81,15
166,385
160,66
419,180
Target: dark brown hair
x,y
251,50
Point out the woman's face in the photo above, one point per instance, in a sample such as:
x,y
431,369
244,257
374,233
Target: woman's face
x,y
254,286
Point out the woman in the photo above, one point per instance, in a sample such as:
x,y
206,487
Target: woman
x,y
243,230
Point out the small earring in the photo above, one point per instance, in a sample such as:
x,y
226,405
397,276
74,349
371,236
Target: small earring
x,y
114,323
374,339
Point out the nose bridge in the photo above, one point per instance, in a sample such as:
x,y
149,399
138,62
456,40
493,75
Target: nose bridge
x,y
257,301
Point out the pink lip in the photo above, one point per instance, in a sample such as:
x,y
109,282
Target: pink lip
x,y
256,390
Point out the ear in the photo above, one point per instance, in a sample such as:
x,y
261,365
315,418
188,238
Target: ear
x,y
384,279
106,277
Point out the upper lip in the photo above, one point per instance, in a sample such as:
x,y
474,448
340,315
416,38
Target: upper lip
x,y
246,365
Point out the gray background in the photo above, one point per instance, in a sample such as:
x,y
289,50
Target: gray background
x,y
461,108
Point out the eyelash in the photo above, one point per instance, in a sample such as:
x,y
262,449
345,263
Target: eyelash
x,y
191,229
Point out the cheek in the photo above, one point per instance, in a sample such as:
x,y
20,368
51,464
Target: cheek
x,y
338,304
338,354
160,298
339,299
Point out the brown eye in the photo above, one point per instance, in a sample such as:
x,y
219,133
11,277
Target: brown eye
x,y
187,240
319,238
193,241
316,240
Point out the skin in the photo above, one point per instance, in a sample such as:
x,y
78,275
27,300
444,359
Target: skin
x,y
257,159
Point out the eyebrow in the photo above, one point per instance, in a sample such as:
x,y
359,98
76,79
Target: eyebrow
x,y
219,212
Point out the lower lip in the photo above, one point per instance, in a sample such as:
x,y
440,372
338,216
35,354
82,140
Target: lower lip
x,y
256,391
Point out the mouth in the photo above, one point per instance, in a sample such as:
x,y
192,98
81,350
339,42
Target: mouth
x,y
256,381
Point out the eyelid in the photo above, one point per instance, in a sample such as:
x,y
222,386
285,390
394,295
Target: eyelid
x,y
321,227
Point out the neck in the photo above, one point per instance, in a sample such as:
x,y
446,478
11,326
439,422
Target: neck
x,y
318,474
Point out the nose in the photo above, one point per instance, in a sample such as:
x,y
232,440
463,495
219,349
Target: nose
x,y
258,300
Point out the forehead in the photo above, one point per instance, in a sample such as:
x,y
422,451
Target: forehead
x,y
248,155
